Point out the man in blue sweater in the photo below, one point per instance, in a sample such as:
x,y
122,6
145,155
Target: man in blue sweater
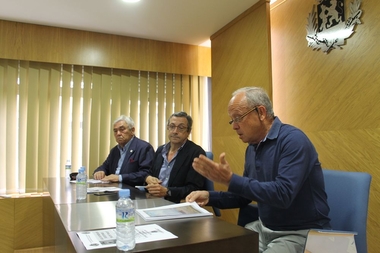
x,y
282,174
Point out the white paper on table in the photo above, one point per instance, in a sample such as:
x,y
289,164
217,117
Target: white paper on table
x,y
102,189
105,238
97,181
174,211
92,181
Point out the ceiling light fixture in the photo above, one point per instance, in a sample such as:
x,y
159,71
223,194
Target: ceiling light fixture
x,y
207,43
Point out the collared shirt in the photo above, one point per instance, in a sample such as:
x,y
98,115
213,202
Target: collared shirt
x,y
167,166
283,174
123,152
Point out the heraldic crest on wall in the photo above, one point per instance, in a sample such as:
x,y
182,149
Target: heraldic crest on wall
x,y
327,28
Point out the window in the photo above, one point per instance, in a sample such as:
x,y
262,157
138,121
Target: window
x,y
50,113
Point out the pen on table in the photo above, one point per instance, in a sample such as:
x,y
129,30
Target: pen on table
x,y
141,187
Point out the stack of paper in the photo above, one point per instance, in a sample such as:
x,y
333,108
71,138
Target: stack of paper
x,y
102,189
175,211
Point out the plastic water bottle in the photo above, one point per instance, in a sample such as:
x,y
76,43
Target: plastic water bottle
x,y
67,169
125,221
81,184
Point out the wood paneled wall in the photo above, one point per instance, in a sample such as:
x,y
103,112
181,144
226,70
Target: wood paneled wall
x,y
7,230
22,41
240,57
335,97
26,223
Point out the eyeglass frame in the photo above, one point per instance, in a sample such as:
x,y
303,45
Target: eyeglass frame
x,y
180,129
240,118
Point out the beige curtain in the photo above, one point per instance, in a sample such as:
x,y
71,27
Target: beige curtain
x,y
50,113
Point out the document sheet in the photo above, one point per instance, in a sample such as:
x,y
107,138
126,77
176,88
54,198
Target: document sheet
x,y
175,211
104,238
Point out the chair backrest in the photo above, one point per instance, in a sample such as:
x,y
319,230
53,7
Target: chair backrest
x,y
347,196
209,185
248,214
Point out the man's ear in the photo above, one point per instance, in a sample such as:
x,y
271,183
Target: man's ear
x,y
261,110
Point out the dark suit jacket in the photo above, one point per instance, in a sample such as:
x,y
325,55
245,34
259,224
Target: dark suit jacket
x,y
183,178
137,162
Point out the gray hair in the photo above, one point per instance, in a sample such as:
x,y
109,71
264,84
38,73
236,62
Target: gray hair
x,y
183,115
257,96
126,119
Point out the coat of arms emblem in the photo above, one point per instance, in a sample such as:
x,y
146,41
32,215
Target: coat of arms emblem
x,y
327,27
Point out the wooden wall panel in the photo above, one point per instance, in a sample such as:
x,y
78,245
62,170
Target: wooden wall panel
x,y
6,224
48,221
335,97
51,44
240,57
28,223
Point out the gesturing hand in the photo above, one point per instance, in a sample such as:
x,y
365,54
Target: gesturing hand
x,y
216,172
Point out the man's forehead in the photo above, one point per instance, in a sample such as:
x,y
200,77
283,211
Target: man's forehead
x,y
238,98
178,120
238,103
120,124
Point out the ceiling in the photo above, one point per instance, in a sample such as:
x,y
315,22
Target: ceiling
x,y
181,21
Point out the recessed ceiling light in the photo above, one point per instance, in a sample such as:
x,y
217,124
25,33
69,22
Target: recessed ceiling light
x,y
207,43
131,1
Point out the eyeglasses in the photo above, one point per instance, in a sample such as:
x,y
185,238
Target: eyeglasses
x,y
180,128
238,119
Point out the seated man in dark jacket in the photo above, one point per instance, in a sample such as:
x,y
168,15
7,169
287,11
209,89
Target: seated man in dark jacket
x,y
129,161
172,175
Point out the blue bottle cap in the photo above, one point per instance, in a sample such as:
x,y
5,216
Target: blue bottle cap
x,y
124,193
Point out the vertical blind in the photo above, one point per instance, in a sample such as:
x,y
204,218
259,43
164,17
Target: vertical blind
x,y
50,113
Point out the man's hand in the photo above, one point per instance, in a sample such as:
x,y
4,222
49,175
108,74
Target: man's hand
x,y
99,175
152,180
216,172
157,190
200,197
111,178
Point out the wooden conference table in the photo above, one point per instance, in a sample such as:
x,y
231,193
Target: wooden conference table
x,y
204,234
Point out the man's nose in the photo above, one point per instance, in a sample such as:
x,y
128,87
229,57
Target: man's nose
x,y
235,125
